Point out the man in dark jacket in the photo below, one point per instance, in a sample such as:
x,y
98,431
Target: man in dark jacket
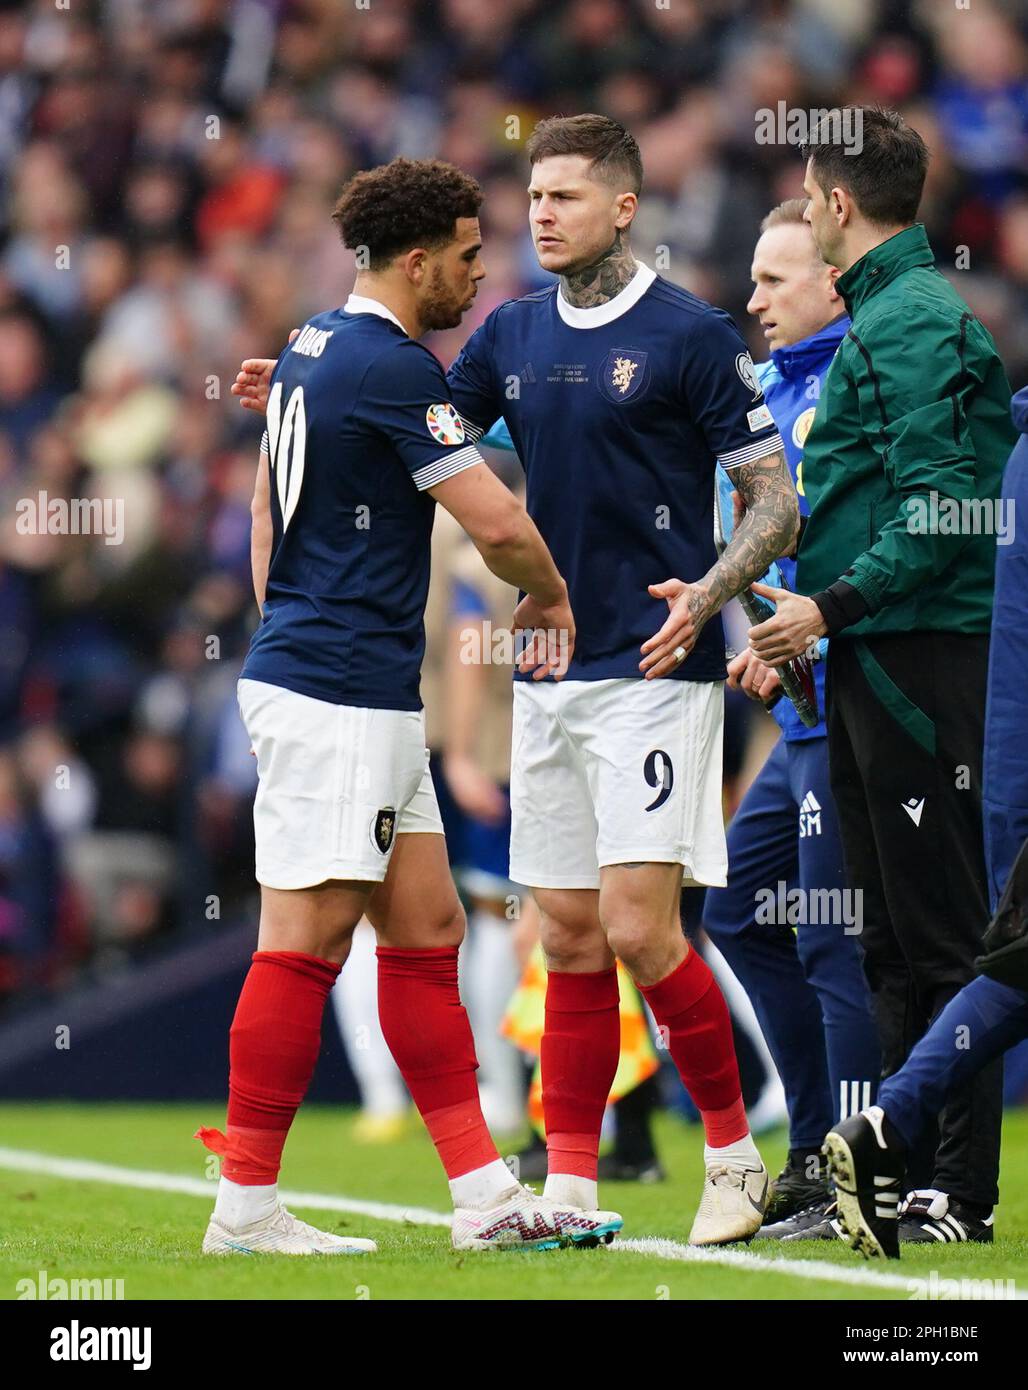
x,y
902,469
989,1015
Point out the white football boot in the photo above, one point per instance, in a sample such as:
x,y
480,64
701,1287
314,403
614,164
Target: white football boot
x,y
735,1196
281,1233
521,1220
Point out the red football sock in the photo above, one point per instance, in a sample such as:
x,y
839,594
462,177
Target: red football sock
x,y
427,1031
273,1046
690,1006
580,1049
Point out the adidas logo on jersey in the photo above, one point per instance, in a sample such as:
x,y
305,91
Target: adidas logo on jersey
x,y
312,341
810,816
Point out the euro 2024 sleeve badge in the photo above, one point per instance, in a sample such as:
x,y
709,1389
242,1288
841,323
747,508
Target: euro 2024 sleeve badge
x,y
444,424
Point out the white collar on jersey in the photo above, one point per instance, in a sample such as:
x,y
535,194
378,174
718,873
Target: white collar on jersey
x,y
361,304
614,308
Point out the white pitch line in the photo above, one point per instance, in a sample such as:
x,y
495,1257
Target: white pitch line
x,y
738,1259
86,1170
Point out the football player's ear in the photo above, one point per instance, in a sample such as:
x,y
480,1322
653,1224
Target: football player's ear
x,y
627,205
414,265
842,206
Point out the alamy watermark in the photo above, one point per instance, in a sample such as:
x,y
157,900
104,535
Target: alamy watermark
x,y
791,125
485,645
46,1287
981,1290
966,516
83,1343
44,515
801,907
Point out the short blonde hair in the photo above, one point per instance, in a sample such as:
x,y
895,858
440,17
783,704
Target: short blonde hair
x,y
791,210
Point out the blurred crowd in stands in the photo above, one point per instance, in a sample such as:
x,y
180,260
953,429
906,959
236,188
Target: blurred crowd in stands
x,y
167,170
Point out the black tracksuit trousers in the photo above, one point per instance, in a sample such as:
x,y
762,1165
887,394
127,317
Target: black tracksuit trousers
x,y
906,718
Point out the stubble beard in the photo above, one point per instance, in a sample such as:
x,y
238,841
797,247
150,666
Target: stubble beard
x,y
441,309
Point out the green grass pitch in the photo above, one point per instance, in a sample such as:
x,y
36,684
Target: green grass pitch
x,y
78,1228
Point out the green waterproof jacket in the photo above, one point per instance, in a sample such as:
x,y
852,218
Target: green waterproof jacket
x,y
902,465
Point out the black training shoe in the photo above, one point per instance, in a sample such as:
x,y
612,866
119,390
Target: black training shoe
x,y
821,1224
812,1223
867,1170
611,1168
794,1191
928,1216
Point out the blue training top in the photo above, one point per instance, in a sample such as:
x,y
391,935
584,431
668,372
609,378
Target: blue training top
x,y
792,382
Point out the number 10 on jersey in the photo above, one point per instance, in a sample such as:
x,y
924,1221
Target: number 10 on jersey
x,y
287,442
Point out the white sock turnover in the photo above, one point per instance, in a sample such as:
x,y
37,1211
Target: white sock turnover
x,y
742,1151
572,1191
482,1186
238,1204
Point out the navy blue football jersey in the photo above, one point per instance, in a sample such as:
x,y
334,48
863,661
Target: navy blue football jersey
x,y
620,414
360,424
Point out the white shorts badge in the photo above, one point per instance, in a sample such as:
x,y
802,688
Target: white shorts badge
x,y
383,829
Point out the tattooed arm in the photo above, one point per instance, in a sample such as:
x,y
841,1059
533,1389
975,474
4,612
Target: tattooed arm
x,y
768,529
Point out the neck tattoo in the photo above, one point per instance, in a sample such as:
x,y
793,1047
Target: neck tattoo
x,y
602,280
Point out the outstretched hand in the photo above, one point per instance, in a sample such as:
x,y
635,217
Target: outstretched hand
x,y
253,381
687,612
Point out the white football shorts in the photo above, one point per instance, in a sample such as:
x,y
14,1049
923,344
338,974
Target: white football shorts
x,y
336,785
616,772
